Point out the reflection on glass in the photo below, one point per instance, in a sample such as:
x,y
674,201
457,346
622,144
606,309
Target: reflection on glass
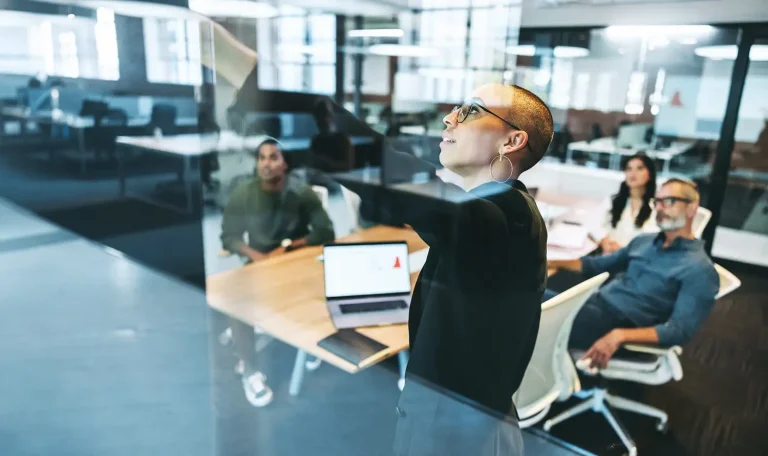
x,y
172,51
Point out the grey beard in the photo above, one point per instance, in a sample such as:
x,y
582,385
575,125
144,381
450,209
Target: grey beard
x,y
671,225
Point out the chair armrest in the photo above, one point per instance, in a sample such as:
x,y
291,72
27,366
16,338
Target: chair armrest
x,y
654,349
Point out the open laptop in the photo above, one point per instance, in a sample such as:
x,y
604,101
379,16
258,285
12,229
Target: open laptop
x,y
367,284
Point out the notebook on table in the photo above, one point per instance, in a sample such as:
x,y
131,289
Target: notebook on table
x,y
354,347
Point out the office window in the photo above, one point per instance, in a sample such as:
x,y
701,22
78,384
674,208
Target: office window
x,y
68,64
460,57
106,45
298,53
74,47
173,51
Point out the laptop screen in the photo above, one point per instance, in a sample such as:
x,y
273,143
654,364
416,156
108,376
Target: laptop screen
x,y
366,269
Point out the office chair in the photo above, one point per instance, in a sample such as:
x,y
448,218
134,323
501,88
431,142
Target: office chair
x,y
700,221
352,201
163,117
650,365
546,379
108,127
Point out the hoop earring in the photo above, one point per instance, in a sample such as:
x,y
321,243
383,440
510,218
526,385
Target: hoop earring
x,y
511,169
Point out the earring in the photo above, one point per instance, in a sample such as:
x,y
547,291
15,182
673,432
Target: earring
x,y
511,168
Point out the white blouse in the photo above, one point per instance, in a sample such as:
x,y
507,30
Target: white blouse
x,y
625,229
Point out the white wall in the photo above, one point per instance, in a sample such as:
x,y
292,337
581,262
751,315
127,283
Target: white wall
x,y
683,12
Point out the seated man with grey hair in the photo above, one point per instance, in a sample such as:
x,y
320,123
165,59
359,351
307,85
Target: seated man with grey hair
x,y
665,289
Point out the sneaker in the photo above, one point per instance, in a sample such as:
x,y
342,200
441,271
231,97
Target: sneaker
x,y
256,391
313,364
262,341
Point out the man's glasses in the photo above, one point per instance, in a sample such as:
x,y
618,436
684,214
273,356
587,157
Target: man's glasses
x,y
669,201
467,108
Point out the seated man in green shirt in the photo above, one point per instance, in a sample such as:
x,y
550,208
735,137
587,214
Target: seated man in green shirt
x,y
278,213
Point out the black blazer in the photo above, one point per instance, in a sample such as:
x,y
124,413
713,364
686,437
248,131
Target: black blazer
x,y
476,306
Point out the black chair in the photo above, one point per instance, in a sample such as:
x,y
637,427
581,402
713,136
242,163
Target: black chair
x,y
110,126
163,117
97,110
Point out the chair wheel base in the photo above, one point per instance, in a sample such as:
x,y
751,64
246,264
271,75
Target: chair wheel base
x,y
662,427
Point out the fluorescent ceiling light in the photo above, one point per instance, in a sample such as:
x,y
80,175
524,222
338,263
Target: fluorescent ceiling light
x,y
376,33
402,50
570,52
521,49
627,31
757,53
233,8
560,52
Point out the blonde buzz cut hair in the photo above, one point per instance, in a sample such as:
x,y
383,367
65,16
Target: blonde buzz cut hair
x,y
531,114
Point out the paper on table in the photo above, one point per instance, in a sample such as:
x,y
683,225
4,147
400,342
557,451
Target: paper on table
x,y
551,211
567,235
561,254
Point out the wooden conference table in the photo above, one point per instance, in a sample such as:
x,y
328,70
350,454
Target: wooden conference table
x,y
284,296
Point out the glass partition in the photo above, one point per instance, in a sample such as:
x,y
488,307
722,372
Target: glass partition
x,y
206,255
742,234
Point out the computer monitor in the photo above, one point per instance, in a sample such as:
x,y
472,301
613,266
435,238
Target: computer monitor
x,y
632,135
371,269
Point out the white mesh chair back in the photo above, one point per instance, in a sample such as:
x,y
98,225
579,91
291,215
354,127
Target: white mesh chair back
x,y
728,281
700,221
352,202
321,193
543,378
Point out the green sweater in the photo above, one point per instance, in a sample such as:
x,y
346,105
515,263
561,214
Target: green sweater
x,y
269,217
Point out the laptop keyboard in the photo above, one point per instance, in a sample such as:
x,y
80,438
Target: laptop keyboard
x,y
372,306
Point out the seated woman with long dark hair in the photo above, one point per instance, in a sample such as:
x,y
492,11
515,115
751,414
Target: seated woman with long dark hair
x,y
629,212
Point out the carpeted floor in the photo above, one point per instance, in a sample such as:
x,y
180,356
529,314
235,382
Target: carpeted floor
x,y
720,407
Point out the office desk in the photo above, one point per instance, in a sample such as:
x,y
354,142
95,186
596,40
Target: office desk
x,y
189,147
608,146
78,123
59,117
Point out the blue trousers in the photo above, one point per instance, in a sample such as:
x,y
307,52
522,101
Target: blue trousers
x,y
595,319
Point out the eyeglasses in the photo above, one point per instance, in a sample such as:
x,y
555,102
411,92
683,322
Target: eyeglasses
x,y
669,201
465,109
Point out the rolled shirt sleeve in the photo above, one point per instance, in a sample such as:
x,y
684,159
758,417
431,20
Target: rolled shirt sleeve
x,y
233,225
694,303
614,262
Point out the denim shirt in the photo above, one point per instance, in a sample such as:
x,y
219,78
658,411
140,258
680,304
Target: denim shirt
x,y
672,289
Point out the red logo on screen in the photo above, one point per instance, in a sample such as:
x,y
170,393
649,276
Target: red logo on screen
x,y
676,101
397,263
